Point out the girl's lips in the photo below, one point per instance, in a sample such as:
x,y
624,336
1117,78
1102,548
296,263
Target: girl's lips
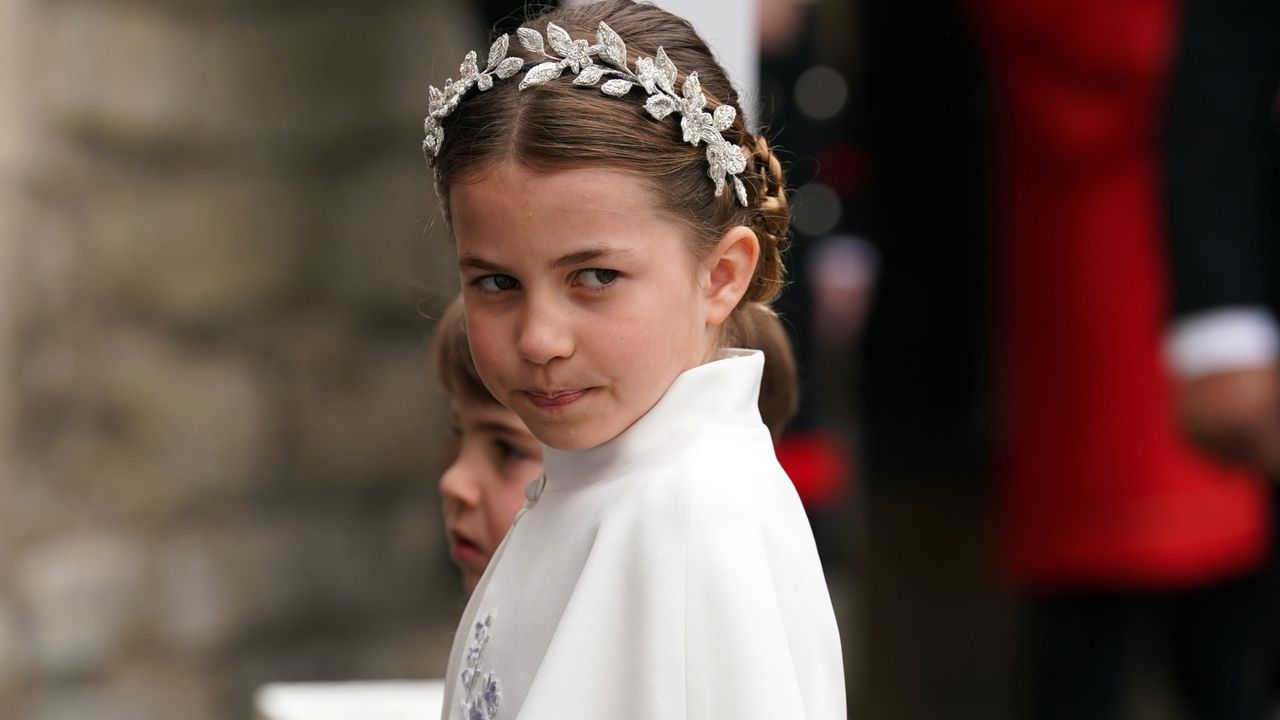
x,y
466,552
556,399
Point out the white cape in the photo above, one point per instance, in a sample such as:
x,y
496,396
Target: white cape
x,y
669,573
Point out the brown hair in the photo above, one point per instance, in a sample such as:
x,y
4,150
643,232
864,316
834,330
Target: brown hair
x,y
455,369
559,125
779,392
778,396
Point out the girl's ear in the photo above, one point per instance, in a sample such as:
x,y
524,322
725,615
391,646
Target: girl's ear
x,y
727,272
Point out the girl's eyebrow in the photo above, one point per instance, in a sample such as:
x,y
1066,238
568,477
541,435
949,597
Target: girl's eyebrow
x,y
475,263
472,262
591,255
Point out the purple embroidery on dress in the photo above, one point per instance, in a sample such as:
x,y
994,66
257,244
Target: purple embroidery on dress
x,y
481,694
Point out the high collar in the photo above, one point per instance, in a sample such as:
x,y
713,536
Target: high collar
x,y
720,393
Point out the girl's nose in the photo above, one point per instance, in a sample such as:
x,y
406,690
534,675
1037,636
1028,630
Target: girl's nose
x,y
458,484
543,335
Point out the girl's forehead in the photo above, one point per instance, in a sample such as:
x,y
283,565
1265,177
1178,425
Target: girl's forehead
x,y
516,177
516,221
512,198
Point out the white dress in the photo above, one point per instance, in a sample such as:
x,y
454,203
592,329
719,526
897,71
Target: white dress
x,y
669,573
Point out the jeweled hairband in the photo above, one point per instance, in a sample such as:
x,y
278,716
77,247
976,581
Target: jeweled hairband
x,y
657,76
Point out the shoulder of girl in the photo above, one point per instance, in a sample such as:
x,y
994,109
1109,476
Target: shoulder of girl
x,y
740,483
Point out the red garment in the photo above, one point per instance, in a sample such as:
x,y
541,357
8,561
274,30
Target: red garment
x,y
818,465
1099,488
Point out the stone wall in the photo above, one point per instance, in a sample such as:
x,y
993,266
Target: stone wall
x,y
218,436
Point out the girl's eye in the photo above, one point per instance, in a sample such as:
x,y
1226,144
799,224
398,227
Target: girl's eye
x,y
597,278
497,283
507,451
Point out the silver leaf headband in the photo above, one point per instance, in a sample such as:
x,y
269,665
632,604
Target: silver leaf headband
x,y
657,76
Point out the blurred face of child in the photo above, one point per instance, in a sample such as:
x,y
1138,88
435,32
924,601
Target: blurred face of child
x,y
583,303
483,488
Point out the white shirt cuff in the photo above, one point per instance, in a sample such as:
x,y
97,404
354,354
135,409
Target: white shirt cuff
x,y
1224,340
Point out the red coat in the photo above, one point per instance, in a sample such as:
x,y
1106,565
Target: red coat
x,y
1099,488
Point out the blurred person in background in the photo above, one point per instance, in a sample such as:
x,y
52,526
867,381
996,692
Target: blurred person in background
x,y
1113,525
1222,181
1222,174
494,456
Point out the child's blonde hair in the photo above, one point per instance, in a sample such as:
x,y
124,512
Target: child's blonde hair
x,y
558,125
779,393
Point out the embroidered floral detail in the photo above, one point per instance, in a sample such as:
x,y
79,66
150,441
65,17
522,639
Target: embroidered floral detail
x,y
481,693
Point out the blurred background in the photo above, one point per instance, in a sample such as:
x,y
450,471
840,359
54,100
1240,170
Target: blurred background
x,y
219,442
220,257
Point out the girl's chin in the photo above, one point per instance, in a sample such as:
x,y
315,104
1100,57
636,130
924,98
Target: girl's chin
x,y
567,439
470,580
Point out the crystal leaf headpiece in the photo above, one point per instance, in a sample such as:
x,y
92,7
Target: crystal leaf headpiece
x,y
656,76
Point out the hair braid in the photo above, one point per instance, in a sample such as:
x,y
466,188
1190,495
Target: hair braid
x,y
770,219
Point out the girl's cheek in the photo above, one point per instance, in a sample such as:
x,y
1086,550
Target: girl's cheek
x,y
505,503
486,354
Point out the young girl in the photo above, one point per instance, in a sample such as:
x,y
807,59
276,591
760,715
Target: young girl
x,y
495,455
616,225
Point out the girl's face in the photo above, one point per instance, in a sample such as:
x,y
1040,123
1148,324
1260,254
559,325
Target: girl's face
x,y
583,303
483,488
